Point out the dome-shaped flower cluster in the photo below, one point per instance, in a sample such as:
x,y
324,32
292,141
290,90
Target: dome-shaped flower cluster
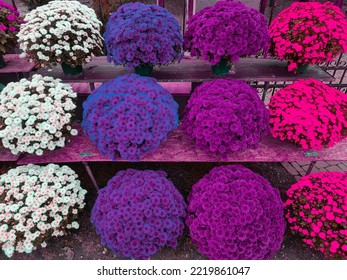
x,y
143,34
61,32
309,33
316,210
36,115
310,114
10,21
227,30
138,213
234,213
129,116
225,115
37,202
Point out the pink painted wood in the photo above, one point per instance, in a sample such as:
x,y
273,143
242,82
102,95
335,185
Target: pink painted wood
x,y
178,148
6,155
15,64
193,70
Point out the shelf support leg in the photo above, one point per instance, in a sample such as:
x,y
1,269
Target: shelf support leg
x,y
92,86
266,86
91,175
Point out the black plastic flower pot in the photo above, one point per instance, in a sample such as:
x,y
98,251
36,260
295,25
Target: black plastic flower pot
x,y
69,70
302,68
222,68
144,70
2,61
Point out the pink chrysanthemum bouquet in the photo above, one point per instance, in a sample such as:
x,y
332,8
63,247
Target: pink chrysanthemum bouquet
x,y
316,210
310,114
308,33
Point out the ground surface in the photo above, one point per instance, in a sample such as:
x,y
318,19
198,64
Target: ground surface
x,y
85,244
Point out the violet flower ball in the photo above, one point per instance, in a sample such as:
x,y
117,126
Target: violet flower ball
x,y
235,214
228,30
139,34
129,116
138,213
225,116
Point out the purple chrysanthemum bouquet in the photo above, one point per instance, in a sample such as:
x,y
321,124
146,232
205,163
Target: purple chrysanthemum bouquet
x,y
224,116
234,213
129,116
138,213
226,31
139,34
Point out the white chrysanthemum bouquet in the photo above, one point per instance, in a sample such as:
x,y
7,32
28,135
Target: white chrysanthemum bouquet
x,y
37,202
36,115
64,32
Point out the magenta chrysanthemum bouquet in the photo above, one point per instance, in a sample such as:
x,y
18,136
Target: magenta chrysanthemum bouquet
x,y
227,31
224,116
10,21
316,210
138,213
139,34
310,114
234,213
308,33
129,116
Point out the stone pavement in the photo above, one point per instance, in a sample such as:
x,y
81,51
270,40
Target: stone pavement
x,y
298,169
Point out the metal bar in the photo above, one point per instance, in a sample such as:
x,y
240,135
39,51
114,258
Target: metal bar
x,y
272,4
194,86
343,76
283,85
14,4
262,6
337,64
100,10
184,17
92,86
266,86
312,164
338,3
334,68
161,3
339,85
91,175
273,89
191,8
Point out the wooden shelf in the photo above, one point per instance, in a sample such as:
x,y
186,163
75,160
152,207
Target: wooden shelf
x,y
6,155
192,70
178,148
15,64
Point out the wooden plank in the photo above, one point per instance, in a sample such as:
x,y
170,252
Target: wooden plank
x,y
176,89
15,64
193,70
178,148
6,155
